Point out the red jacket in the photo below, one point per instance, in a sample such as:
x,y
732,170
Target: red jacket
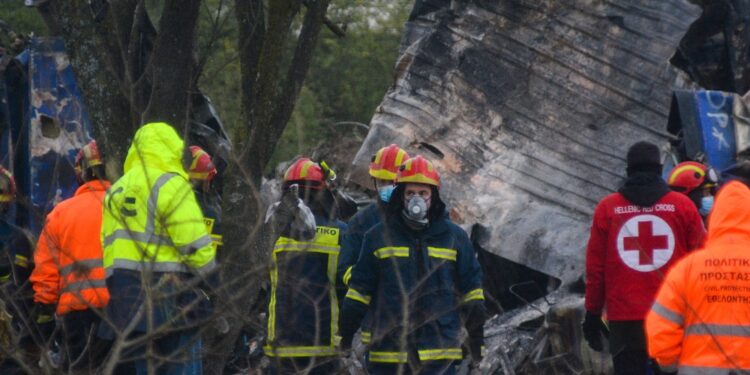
x,y
631,248
68,258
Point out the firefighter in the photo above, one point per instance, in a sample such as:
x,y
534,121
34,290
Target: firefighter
x,y
201,172
637,234
303,308
697,181
383,169
15,292
68,276
156,249
699,322
417,274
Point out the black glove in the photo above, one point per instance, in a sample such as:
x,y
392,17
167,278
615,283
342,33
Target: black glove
x,y
593,329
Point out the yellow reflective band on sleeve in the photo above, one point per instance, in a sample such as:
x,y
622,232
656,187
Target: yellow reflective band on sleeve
x,y
437,252
357,296
438,354
22,261
366,337
347,275
388,357
387,252
299,351
4,278
474,295
274,275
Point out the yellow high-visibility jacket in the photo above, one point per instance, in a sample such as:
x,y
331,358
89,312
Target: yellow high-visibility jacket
x,y
151,217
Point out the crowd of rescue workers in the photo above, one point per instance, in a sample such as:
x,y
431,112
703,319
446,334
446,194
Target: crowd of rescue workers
x,y
124,273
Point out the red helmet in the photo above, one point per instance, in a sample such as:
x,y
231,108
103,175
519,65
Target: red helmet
x,y
418,170
88,156
7,186
689,175
201,167
306,172
386,161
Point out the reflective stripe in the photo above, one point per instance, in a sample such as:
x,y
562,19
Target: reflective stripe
x,y
153,200
274,276
438,354
698,370
388,357
306,246
474,295
333,262
299,351
146,266
366,337
672,367
194,246
442,253
718,330
81,265
667,314
347,275
84,284
131,235
357,296
387,252
22,261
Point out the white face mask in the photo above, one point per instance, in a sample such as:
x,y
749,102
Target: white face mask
x,y
416,208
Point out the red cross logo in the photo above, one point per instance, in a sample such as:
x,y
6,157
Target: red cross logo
x,y
645,242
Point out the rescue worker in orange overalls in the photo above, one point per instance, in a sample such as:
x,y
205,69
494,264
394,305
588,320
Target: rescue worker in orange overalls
x,y
700,322
68,277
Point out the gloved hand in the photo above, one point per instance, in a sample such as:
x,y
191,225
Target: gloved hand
x,y
43,313
593,329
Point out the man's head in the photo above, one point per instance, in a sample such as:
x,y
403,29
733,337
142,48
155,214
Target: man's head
x,y
417,190
644,157
697,181
202,169
7,189
89,164
384,167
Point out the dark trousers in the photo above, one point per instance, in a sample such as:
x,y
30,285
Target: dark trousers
x,y
304,365
431,368
82,350
173,353
627,343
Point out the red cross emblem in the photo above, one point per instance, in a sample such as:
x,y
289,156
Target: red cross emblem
x,y
645,243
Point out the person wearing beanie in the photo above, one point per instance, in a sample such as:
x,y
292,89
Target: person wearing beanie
x,y
637,234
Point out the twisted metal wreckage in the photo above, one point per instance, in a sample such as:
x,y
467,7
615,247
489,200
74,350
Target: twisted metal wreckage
x,y
529,108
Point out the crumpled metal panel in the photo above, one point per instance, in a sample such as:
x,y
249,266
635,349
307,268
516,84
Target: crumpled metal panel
x,y
53,127
528,108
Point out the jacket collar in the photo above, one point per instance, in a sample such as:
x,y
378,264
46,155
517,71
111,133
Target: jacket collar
x,y
93,185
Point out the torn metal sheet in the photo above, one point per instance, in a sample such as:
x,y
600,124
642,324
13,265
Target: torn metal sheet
x,y
528,109
48,124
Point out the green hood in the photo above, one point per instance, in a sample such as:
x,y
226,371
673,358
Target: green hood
x,y
157,146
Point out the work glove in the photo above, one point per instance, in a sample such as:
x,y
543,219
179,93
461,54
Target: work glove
x,y
43,316
593,329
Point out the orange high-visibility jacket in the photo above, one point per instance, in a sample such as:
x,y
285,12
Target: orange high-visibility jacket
x,y
700,322
68,257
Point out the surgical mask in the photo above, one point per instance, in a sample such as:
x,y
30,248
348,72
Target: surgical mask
x,y
385,192
707,203
416,209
